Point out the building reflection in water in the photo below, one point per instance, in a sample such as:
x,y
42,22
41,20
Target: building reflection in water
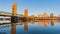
x,y
43,22
26,26
46,22
32,22
13,28
52,22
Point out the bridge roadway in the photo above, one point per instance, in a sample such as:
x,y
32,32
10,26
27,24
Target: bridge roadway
x,y
5,15
34,17
15,19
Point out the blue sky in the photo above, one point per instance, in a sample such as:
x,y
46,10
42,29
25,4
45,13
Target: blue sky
x,y
35,7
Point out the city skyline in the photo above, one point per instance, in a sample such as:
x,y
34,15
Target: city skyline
x,y
35,7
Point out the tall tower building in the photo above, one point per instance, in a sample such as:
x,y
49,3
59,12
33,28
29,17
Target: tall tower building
x,y
51,15
14,9
26,13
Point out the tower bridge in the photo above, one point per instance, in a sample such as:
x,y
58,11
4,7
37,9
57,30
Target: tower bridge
x,y
16,18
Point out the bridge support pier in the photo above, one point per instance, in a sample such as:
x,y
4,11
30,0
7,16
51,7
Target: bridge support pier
x,y
14,19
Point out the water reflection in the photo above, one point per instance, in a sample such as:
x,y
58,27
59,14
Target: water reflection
x,y
32,22
13,28
25,25
44,22
52,22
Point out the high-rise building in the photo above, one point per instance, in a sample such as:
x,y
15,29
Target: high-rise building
x,y
14,9
51,15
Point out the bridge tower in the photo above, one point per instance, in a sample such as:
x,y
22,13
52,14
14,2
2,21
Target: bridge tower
x,y
26,13
14,9
14,18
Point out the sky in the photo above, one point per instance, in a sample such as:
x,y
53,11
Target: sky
x,y
35,7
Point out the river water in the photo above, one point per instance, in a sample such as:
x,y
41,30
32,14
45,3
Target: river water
x,y
40,27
